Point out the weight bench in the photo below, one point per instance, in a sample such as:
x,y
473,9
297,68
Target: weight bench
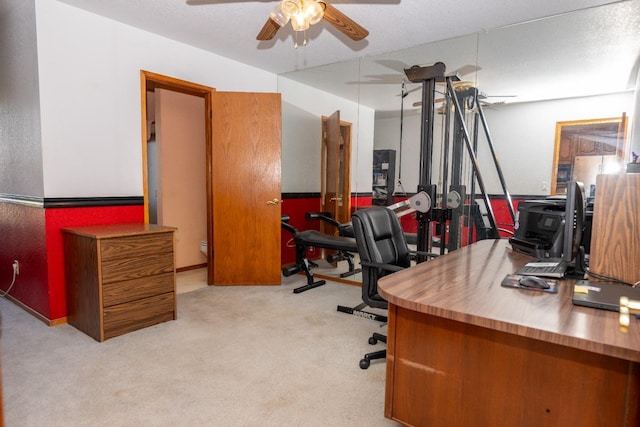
x,y
307,238
344,230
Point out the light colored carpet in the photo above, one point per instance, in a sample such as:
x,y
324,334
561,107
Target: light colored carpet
x,y
236,356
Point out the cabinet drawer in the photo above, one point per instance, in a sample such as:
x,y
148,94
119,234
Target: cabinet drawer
x,y
122,318
136,246
131,290
121,269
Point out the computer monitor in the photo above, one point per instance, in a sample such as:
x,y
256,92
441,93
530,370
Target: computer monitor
x,y
551,228
575,215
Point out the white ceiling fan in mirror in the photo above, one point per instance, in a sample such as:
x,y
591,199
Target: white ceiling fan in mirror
x,y
399,76
481,97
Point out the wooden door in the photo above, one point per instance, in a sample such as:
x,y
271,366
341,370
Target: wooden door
x,y
336,171
246,189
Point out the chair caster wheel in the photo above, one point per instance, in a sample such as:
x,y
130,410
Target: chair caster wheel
x,y
373,341
364,364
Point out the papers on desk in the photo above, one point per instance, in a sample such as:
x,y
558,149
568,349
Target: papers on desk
x,y
524,282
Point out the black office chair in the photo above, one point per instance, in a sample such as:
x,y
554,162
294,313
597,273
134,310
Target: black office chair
x,y
383,249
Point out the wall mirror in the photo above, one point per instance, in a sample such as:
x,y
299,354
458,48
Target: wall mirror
x,y
534,74
566,68
586,148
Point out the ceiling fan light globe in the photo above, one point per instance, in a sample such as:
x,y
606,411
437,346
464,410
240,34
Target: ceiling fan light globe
x,y
278,16
291,8
313,11
299,22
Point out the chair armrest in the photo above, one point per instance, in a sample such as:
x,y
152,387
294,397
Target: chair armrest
x,y
286,226
323,216
387,267
426,254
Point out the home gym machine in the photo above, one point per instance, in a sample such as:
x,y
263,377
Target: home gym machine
x,y
449,213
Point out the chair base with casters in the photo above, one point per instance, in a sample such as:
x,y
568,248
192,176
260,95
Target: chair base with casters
x,y
380,354
359,312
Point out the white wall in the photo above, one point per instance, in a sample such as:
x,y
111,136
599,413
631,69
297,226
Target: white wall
x,y
303,107
387,136
523,136
89,74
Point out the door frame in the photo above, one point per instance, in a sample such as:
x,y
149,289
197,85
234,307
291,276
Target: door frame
x,y
562,172
343,213
150,81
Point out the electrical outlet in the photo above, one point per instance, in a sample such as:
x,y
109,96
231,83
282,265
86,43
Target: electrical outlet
x,y
544,186
16,267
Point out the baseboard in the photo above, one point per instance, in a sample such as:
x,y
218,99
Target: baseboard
x,y
43,319
191,267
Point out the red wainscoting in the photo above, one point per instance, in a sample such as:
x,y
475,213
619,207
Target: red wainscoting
x,y
58,218
23,239
31,235
296,208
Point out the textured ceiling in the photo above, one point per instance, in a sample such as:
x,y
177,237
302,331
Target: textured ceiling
x,y
229,27
572,54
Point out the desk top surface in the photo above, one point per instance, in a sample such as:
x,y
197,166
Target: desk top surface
x,y
465,286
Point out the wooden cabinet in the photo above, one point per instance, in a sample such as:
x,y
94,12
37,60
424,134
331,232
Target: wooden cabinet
x,y
615,241
119,277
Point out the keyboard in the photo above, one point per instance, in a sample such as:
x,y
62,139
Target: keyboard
x,y
548,267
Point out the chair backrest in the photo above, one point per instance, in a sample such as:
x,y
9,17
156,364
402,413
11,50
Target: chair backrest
x,y
380,239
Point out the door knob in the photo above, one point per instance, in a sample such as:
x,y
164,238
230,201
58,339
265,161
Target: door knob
x,y
273,202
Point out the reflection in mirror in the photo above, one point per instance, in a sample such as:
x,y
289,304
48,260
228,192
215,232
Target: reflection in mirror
x,y
305,102
589,53
577,66
586,148
398,123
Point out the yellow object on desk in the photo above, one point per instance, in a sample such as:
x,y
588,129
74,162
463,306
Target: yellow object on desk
x,y
627,307
579,289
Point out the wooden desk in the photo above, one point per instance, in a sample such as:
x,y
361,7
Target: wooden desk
x,y
464,351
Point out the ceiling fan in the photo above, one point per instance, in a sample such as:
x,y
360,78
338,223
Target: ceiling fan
x,y
465,85
302,14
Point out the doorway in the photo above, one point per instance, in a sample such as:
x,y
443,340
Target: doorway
x,y
336,169
587,148
174,170
248,135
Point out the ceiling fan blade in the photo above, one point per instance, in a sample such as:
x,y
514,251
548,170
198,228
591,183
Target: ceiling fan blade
x,y
441,108
268,31
467,69
199,2
343,23
413,90
435,101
